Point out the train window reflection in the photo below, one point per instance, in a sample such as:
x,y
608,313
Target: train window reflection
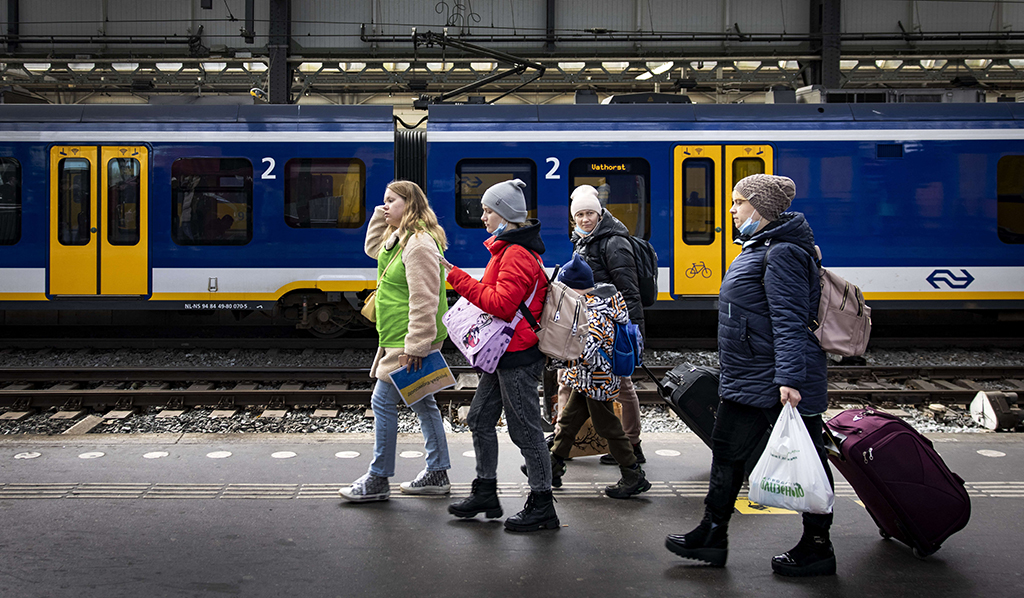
x,y
1010,191
698,201
10,201
474,176
74,201
123,201
324,193
623,187
211,201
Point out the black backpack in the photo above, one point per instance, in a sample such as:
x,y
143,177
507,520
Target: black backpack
x,y
646,270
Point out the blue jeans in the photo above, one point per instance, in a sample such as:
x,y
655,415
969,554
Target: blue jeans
x,y
385,402
515,389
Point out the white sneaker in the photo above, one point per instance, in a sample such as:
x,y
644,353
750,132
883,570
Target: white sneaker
x,y
428,482
367,489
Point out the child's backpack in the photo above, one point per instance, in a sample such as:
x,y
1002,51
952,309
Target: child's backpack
x,y
627,349
563,328
646,270
842,323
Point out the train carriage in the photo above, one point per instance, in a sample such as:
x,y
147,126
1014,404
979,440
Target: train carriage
x,y
189,208
922,206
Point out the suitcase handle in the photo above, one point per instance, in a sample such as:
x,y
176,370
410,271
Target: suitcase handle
x,y
650,374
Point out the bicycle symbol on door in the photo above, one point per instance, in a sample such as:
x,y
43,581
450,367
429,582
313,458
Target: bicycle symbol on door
x,y
698,268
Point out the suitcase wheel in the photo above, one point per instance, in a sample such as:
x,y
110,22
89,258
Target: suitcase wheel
x,y
922,554
885,536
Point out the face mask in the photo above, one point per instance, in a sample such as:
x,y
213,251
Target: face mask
x,y
501,228
748,227
581,232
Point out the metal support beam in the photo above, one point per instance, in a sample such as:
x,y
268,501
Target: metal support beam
x,y
825,31
250,21
549,44
13,24
280,32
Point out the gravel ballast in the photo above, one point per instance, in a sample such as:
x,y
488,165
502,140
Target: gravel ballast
x,y
655,418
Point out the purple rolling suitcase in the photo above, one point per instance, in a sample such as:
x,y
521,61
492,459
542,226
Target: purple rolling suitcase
x,y
904,484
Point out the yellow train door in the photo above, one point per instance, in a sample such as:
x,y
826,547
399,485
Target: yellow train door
x,y
98,221
704,231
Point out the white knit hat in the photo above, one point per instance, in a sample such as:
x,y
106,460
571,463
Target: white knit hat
x,y
584,197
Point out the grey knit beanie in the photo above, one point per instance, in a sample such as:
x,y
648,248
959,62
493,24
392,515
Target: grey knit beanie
x,y
506,198
769,194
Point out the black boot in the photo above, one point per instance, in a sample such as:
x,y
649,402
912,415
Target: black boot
x,y
703,543
538,514
813,555
633,482
638,452
483,498
557,470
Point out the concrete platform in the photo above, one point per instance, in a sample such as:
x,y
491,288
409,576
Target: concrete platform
x,y
212,515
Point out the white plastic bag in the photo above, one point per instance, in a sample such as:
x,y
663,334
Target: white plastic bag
x,y
789,474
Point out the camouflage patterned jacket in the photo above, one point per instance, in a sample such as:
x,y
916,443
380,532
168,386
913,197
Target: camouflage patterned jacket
x,y
590,374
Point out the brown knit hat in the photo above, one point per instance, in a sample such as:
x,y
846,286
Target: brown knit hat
x,y
769,194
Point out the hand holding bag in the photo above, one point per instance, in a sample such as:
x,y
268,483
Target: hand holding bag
x,y
789,474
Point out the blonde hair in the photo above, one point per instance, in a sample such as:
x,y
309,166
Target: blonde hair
x,y
418,216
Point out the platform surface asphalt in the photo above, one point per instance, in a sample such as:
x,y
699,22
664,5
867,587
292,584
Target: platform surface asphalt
x,y
244,515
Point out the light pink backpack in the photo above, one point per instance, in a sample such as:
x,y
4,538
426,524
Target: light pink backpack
x,y
481,337
843,321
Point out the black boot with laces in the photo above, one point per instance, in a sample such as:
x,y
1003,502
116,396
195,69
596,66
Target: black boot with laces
x,y
702,543
813,555
483,498
537,514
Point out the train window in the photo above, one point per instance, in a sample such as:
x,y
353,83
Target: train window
x,y
744,167
1010,191
324,193
698,201
211,201
10,201
474,176
74,201
623,187
123,201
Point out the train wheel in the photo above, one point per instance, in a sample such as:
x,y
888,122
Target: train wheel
x,y
328,321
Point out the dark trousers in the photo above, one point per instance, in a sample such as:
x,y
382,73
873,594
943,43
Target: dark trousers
x,y
606,424
738,429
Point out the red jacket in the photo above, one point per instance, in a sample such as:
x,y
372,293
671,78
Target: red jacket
x,y
508,280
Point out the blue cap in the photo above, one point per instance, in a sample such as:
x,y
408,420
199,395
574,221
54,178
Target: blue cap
x,y
577,274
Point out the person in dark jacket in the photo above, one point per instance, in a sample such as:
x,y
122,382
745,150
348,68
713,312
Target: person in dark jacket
x,y
514,272
768,356
603,241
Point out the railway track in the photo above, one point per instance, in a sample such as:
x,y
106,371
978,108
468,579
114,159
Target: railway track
x,y
24,390
308,342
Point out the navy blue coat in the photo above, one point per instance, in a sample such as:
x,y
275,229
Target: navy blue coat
x,y
764,340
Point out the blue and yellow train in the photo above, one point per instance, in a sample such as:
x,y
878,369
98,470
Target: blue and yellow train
x,y
264,208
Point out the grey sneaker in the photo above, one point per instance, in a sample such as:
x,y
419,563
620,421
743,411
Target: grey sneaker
x,y
366,489
428,482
